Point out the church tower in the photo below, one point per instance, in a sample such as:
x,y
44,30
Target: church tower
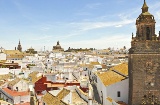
x,y
144,62
19,46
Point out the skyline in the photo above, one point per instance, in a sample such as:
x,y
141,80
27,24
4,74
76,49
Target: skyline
x,y
76,24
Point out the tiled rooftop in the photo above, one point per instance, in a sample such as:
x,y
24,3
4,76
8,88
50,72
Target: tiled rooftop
x,y
49,99
13,82
77,99
15,93
122,68
12,52
6,76
34,77
110,77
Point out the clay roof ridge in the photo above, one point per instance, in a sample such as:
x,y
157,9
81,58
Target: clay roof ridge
x,y
120,73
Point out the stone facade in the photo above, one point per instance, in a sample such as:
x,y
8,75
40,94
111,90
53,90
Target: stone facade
x,y
144,63
144,77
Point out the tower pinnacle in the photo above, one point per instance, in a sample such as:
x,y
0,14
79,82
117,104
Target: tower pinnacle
x,y
19,42
144,7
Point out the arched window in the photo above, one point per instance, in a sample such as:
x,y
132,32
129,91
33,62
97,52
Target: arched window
x,y
147,33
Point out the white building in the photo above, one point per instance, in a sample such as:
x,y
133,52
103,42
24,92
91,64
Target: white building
x,y
18,85
4,71
3,56
113,84
14,97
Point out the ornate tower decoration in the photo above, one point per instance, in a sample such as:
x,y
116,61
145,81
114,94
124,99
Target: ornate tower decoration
x,y
19,46
144,62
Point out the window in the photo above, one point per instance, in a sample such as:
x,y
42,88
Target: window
x,y
147,33
118,94
17,88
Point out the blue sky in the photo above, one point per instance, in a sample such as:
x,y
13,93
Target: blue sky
x,y
75,23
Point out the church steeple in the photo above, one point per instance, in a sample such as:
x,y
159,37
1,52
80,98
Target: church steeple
x,y
144,7
19,42
145,24
143,62
19,46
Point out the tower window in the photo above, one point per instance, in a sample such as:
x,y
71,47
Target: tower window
x,y
118,94
147,33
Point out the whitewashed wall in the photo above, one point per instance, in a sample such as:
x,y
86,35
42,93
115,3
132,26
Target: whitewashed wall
x,y
2,56
22,86
123,87
4,71
17,99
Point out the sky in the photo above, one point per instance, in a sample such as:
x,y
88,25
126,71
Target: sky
x,y
74,23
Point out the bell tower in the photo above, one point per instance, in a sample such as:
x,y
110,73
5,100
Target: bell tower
x,y
145,24
19,46
144,62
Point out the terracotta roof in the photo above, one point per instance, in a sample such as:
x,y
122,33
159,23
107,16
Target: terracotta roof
x,y
34,77
94,63
12,52
13,82
15,56
90,65
50,99
15,93
122,68
6,76
3,61
34,73
76,99
62,93
109,77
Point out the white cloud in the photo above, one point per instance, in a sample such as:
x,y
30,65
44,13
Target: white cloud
x,y
118,25
85,26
